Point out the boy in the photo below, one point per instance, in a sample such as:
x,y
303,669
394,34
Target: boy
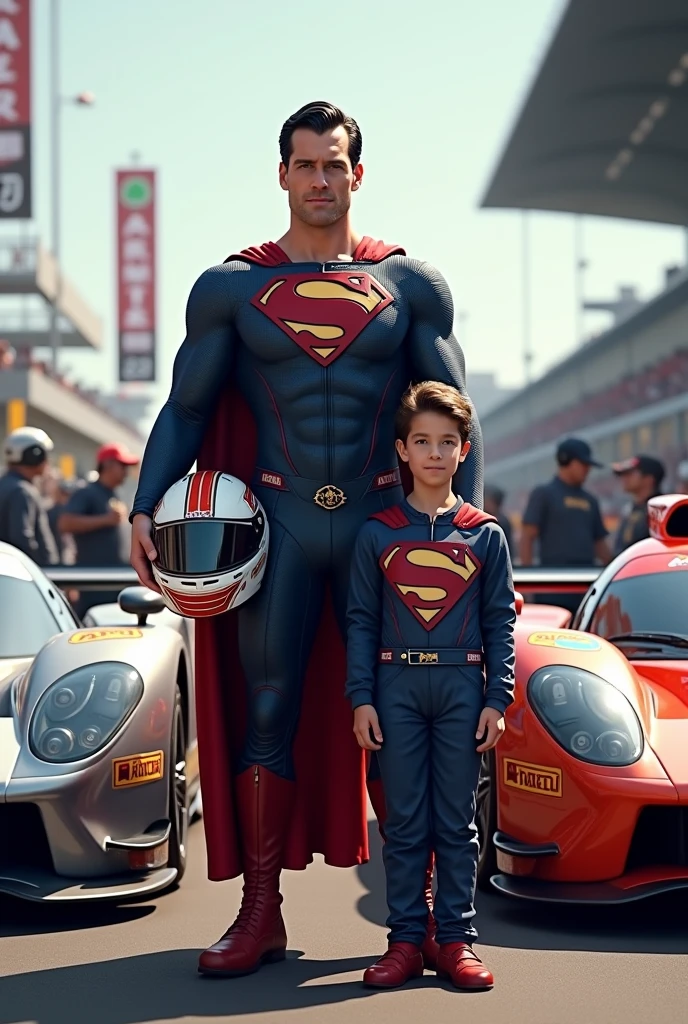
x,y
431,602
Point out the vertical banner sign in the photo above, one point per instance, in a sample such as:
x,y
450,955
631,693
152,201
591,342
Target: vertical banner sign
x,y
15,109
136,274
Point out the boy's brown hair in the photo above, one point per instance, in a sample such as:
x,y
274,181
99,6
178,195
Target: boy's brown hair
x,y
432,396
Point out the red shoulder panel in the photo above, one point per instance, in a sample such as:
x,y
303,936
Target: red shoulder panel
x,y
395,517
267,255
469,516
371,250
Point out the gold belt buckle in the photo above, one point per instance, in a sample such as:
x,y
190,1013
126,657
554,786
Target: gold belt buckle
x,y
329,497
423,658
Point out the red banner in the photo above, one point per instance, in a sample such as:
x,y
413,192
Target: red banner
x,y
136,274
15,109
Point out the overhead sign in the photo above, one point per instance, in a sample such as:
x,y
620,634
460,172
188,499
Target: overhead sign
x,y
15,109
136,284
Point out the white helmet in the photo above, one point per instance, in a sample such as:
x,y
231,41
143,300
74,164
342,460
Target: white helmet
x,y
27,446
211,536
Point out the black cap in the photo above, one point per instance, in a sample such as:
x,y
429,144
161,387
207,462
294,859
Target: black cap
x,y
648,465
576,448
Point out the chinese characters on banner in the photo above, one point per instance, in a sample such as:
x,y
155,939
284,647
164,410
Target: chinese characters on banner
x,y
136,274
15,109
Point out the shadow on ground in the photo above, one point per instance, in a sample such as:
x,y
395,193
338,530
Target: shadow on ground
x,y
24,917
654,925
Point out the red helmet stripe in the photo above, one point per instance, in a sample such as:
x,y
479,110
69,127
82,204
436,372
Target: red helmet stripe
x,y
194,493
204,604
201,497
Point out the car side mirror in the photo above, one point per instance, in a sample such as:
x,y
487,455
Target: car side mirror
x,y
518,598
141,602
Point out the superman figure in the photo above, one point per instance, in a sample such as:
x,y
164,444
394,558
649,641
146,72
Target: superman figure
x,y
295,357
430,655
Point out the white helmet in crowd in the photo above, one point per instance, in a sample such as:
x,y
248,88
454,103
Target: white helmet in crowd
x,y
27,446
211,536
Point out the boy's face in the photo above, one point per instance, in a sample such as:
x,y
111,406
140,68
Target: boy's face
x,y
433,449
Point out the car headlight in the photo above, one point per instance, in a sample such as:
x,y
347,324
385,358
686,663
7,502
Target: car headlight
x,y
588,716
82,711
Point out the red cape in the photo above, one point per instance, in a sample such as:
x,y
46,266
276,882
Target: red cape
x,y
330,810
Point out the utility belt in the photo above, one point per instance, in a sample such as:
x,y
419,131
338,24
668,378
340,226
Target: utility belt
x,y
431,656
328,496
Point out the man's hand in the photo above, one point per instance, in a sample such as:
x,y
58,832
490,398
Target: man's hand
x,y
492,721
143,551
118,513
365,722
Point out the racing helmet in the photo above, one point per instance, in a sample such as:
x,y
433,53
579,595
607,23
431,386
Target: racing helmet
x,y
211,537
27,446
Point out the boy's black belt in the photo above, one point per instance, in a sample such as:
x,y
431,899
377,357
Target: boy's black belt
x,y
430,656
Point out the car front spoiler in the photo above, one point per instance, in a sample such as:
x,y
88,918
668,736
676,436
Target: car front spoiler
x,y
620,890
44,887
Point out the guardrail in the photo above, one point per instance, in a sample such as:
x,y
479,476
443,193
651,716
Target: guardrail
x,y
530,580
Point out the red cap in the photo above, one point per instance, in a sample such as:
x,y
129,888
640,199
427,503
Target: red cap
x,y
116,453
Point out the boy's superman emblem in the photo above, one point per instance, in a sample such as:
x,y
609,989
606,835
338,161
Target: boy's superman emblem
x,y
322,313
429,578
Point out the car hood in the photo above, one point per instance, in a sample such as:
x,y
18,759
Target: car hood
x,y
9,667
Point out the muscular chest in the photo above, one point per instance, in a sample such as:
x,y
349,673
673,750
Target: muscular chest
x,y
322,318
430,577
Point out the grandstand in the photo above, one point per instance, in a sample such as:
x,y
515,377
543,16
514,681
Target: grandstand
x,y
620,151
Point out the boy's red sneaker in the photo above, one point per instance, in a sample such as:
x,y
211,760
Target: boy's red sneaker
x,y
399,964
464,968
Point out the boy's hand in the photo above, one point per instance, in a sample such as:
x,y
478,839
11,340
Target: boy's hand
x,y
365,722
492,721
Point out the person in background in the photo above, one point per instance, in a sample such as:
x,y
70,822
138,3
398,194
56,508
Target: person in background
x,y
641,477
682,477
23,517
492,503
94,514
61,491
565,519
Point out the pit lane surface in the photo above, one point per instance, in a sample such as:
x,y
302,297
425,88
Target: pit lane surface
x,y
137,963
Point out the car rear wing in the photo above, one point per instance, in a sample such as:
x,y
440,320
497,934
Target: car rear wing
x,y
530,580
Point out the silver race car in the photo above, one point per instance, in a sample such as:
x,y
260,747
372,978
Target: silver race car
x,y
98,756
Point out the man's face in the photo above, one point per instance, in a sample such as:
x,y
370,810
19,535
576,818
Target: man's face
x,y
632,481
433,449
578,472
115,473
320,178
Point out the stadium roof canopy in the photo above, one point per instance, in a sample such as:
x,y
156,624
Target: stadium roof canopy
x,y
604,130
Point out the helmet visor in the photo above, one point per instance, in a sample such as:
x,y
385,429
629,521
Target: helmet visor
x,y
205,546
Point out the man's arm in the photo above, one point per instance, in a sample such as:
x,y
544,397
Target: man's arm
x,y
602,549
78,517
435,354
22,517
497,622
531,524
363,618
201,368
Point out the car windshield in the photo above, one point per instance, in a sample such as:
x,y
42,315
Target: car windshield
x,y
26,621
650,603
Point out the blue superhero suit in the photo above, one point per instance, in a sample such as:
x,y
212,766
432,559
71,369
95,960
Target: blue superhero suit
x,y
430,617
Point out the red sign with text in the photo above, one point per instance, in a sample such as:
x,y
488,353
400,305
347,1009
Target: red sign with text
x,y
136,274
15,109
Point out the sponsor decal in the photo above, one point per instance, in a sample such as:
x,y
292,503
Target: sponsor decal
x,y
136,273
388,479
89,636
474,656
268,479
322,313
385,655
259,565
580,503
15,120
533,778
429,578
678,561
250,499
565,641
138,769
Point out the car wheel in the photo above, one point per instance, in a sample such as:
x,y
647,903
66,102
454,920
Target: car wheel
x,y
486,820
178,797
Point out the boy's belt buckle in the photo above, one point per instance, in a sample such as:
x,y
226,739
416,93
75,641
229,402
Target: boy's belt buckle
x,y
329,497
423,657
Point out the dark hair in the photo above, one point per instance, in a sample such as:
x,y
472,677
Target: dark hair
x,y
320,117
432,396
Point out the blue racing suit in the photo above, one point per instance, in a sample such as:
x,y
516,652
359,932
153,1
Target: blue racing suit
x,y
430,618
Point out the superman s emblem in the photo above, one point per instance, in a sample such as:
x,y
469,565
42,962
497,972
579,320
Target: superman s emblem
x,y
323,313
429,578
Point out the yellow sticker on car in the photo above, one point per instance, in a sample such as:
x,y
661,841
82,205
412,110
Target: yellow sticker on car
x,y
568,641
135,770
89,636
533,778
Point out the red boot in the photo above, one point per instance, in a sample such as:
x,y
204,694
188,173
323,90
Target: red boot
x,y
400,963
429,948
258,936
464,968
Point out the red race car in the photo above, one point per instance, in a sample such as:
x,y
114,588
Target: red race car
x,y
585,799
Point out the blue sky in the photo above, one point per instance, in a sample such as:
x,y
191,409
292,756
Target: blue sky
x,y
201,89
